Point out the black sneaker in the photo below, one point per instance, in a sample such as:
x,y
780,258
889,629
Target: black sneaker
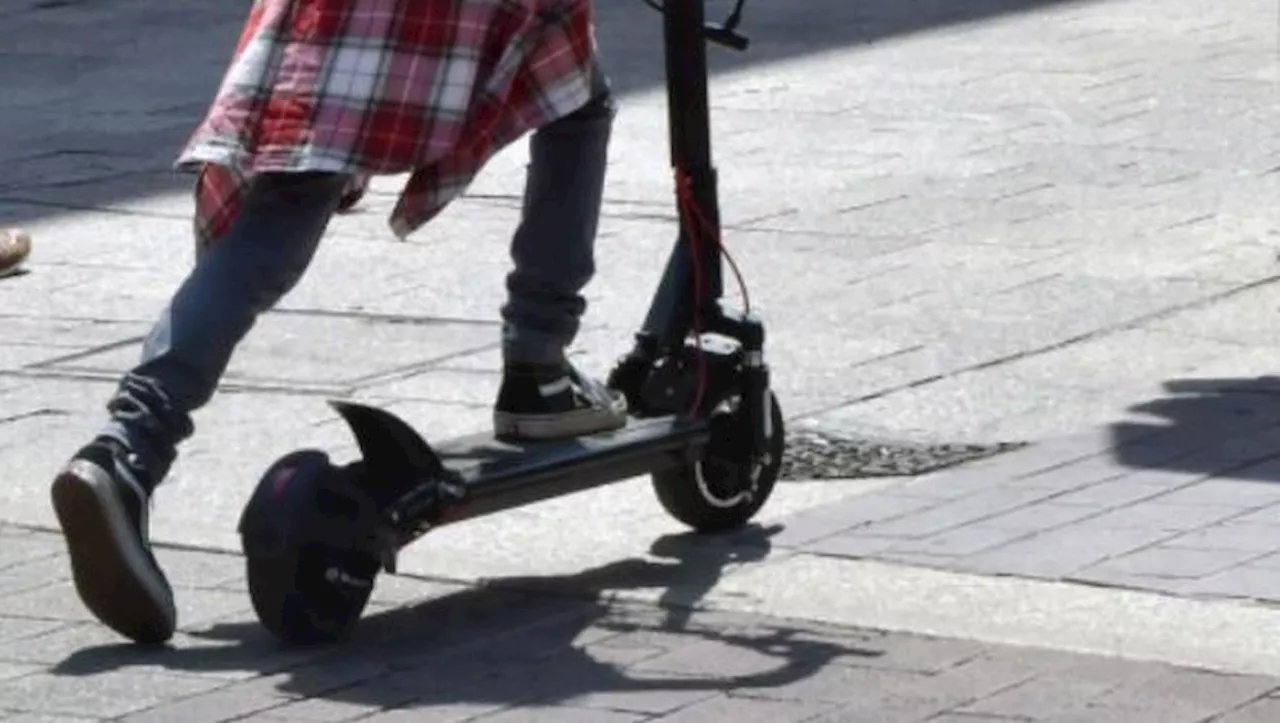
x,y
553,402
101,501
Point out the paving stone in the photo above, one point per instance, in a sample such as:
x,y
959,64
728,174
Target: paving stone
x,y
9,671
315,679
1186,692
556,715
1263,710
1244,581
1238,493
1155,515
23,549
1040,699
1269,515
106,694
1169,562
450,713
1231,535
748,710
1111,494
357,702
196,569
1040,516
955,513
220,705
1077,474
55,601
851,544
968,540
13,629
1063,551
821,522
43,718
915,654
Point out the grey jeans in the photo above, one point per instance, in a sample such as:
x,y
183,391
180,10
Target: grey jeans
x,y
269,247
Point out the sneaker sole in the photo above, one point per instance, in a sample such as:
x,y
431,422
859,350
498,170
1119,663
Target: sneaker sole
x,y
561,426
112,573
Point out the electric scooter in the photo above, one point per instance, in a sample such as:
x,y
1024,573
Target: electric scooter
x,y
702,421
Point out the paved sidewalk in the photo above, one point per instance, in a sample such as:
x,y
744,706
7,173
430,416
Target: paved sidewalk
x,y
1184,503
440,652
998,221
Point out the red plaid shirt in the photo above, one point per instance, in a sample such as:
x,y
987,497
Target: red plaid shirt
x,y
429,87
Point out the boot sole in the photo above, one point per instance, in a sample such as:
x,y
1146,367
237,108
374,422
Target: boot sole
x,y
535,427
112,572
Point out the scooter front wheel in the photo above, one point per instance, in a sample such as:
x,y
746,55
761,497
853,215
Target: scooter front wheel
x,y
718,493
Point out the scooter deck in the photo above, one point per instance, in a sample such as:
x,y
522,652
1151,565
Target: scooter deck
x,y
500,474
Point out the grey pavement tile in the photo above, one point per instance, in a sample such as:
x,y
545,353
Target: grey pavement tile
x,y
107,694
556,714
35,572
1263,710
1269,515
743,660
914,653
15,629
1171,562
1074,475
973,718
1154,515
314,678
1117,578
1244,581
1247,450
437,712
56,601
1112,493
1062,551
354,703
8,671
1231,535
1167,477
851,544
1240,493
1268,561
45,718
955,513
25,549
1188,691
748,710
643,697
188,569
968,540
820,522
1039,699
217,706
1037,459
1040,516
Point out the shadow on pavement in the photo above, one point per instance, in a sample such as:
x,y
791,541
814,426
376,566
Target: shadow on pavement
x,y
91,125
527,641
1227,428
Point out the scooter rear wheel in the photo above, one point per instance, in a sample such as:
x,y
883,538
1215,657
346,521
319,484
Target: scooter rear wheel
x,y
715,493
308,581
302,604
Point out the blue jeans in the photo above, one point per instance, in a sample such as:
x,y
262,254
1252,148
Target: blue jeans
x,y
269,247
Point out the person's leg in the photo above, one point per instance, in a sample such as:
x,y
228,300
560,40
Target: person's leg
x,y
553,250
102,496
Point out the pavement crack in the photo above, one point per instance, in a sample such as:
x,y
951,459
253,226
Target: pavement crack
x,y
33,414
